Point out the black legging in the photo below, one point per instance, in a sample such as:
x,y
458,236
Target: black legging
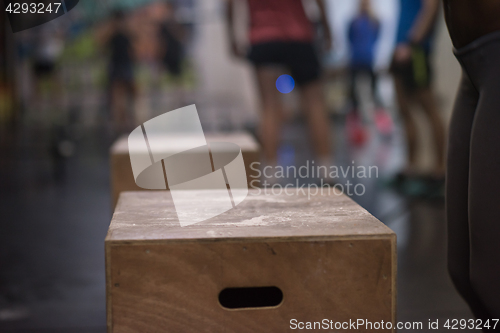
x,y
473,179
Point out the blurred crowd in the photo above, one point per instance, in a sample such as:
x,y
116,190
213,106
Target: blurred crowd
x,y
116,60
293,37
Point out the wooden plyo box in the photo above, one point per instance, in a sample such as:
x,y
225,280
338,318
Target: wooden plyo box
x,y
122,177
329,257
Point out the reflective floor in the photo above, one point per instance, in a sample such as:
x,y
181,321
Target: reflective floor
x,y
55,213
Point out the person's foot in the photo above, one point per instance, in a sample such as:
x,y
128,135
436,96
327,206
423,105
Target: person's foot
x,y
356,132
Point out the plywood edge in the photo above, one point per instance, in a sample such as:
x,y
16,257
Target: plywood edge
x,y
394,251
348,198
112,242
109,234
109,300
115,209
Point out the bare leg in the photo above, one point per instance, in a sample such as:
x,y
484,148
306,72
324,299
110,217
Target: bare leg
x,y
131,94
409,123
119,106
313,102
427,100
271,106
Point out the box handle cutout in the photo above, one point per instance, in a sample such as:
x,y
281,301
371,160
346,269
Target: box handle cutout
x,y
252,297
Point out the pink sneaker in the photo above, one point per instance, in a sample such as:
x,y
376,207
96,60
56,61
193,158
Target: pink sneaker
x,y
356,132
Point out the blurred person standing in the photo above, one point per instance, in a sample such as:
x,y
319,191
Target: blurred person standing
x,y
363,34
172,38
413,79
117,39
472,179
48,45
281,34
146,44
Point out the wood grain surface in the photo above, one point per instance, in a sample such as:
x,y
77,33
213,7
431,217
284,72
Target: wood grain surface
x,y
331,259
